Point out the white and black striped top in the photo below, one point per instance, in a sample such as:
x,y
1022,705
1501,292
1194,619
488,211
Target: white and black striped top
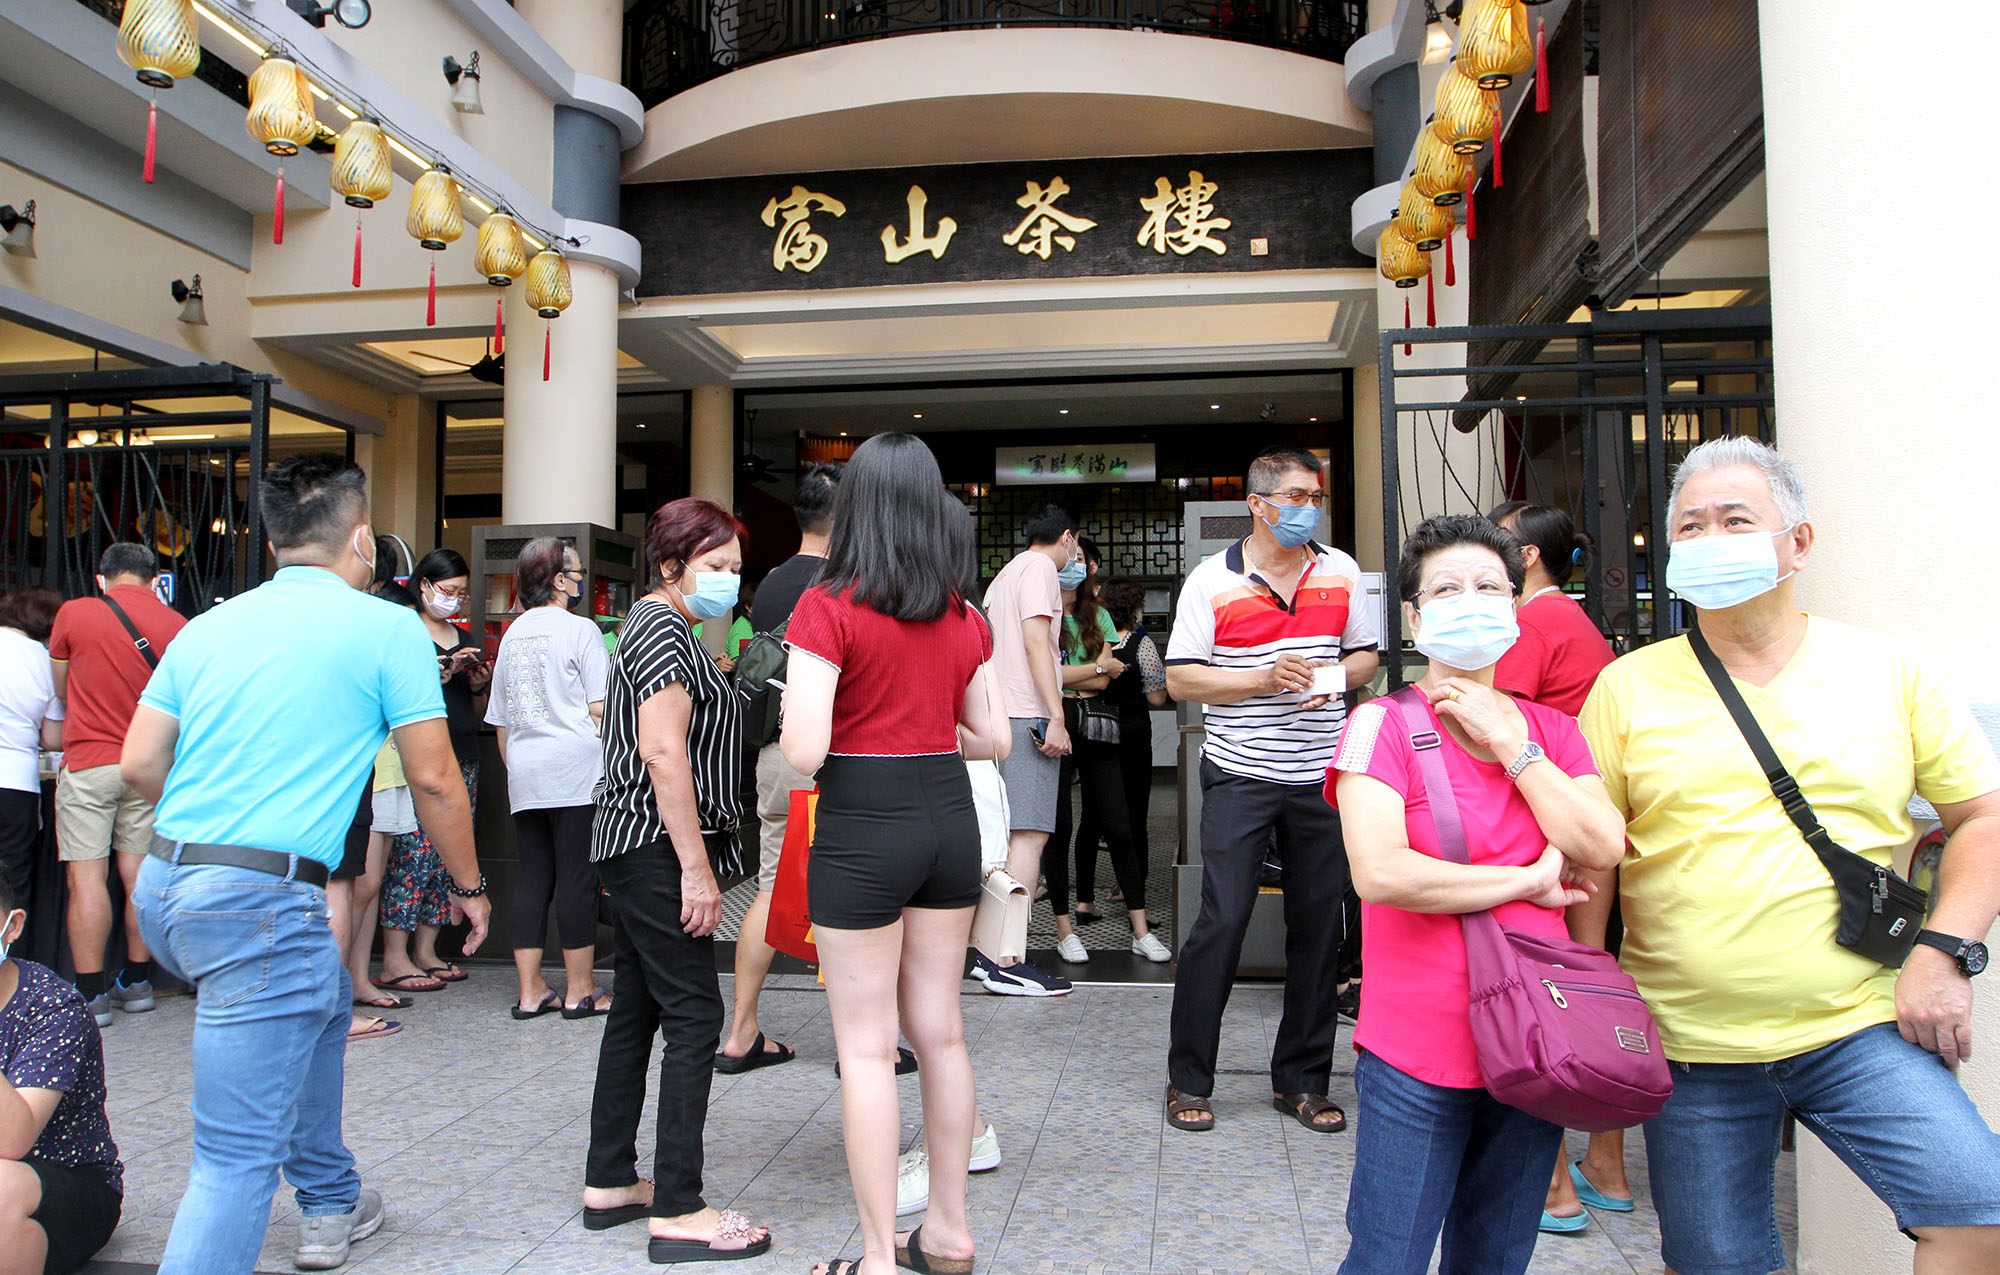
x,y
657,648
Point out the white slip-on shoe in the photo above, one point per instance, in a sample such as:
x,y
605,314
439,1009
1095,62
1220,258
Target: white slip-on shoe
x,y
1151,948
985,1152
325,1239
1071,950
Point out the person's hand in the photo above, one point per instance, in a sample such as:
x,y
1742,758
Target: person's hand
x,y
1934,1005
1292,674
1055,739
726,664
1111,664
701,901
1488,717
1554,882
476,912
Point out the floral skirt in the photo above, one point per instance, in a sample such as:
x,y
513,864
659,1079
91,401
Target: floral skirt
x,y
413,886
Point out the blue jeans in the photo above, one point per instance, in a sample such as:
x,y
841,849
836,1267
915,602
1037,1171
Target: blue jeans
x,y
1430,1159
270,1037
1888,1108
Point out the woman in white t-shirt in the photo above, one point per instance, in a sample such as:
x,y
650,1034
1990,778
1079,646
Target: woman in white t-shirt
x,y
30,717
547,701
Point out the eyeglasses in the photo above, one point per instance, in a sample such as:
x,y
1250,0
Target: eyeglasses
x,y
1296,496
1487,588
460,594
578,572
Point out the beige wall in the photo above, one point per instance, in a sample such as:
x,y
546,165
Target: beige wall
x,y
402,471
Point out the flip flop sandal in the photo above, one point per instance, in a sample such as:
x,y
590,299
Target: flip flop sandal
x,y
732,1243
906,1063
616,1215
384,1002
842,1266
1181,1105
758,1056
1085,918
377,1027
447,973
911,1258
588,1007
1594,1198
549,1004
402,983
1306,1107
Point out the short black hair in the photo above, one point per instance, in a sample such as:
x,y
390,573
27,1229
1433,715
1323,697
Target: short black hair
x,y
312,498
1550,530
1047,524
7,900
126,558
812,503
1273,463
897,547
396,593
1443,531
439,564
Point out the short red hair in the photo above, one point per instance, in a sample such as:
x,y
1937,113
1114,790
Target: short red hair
x,y
684,529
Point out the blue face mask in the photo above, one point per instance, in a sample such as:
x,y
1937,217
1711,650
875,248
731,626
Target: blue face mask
x,y
1295,525
1074,574
1469,631
1719,572
714,593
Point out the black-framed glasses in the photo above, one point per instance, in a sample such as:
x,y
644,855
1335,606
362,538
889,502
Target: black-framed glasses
x,y
1296,496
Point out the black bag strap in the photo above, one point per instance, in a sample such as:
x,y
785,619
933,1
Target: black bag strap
x,y
138,638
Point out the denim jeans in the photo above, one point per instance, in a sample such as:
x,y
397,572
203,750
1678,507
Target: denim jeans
x,y
270,1038
1426,1159
1888,1108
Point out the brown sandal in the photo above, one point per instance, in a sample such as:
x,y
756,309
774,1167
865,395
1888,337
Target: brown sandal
x,y
1306,1108
1188,1113
911,1257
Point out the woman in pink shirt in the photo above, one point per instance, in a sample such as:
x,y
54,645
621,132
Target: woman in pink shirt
x,y
1436,1153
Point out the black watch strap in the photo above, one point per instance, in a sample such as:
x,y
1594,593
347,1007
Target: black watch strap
x,y
1971,956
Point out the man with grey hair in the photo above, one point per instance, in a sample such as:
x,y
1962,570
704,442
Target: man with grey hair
x,y
1757,760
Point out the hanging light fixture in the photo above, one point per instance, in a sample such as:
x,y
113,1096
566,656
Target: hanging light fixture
x,y
188,296
502,256
464,81
362,173
1399,260
281,117
435,220
1420,221
1464,117
17,229
159,41
1440,173
1493,44
549,292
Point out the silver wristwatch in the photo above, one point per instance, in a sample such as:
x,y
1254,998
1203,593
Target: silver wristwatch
x,y
1529,756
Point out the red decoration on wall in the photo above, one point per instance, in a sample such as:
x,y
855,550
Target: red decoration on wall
x,y
500,324
1471,222
1406,319
431,304
152,135
1497,182
1450,266
357,252
278,208
1430,301
1541,70
545,351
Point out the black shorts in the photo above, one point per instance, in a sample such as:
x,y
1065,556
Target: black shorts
x,y
891,833
79,1211
354,854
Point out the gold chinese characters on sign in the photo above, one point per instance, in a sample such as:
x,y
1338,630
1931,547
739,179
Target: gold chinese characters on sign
x,y
798,246
1182,218
1045,223
918,241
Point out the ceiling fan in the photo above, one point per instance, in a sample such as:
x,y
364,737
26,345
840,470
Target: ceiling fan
x,y
491,368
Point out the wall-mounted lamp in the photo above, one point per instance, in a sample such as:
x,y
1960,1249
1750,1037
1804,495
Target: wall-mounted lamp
x,y
189,297
17,229
348,13
464,81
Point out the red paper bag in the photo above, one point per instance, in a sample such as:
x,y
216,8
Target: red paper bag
x,y
788,928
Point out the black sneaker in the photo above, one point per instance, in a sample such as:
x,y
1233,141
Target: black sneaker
x,y
1021,979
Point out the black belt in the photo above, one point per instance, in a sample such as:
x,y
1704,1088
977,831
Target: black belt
x,y
290,866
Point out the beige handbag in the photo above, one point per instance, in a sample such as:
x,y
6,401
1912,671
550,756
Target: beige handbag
x,y
1000,924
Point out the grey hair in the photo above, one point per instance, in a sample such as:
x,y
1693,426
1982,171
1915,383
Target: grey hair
x,y
1788,489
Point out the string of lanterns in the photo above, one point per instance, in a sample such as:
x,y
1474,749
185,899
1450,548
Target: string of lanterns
x,y
159,40
1493,48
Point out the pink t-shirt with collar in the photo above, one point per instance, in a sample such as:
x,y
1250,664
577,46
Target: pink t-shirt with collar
x,y
1414,1009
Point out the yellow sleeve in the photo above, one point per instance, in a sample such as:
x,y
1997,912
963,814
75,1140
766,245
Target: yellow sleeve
x,y
1603,722
1954,759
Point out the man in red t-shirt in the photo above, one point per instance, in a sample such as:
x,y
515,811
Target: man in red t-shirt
x,y
101,666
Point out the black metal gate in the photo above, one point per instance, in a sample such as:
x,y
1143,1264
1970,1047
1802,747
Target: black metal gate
x,y
1597,428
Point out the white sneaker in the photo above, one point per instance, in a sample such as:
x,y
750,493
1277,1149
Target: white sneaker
x,y
985,1152
1070,949
1151,948
913,1181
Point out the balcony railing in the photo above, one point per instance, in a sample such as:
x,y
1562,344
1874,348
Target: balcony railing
x,y
672,45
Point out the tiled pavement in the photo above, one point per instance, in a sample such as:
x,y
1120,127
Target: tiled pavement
x,y
474,1126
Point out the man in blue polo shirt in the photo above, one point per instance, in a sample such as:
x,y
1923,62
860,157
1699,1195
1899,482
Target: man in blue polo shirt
x,y
253,736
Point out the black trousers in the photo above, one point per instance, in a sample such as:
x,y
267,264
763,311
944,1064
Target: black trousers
x,y
20,840
554,846
1106,813
1135,769
663,982
1238,817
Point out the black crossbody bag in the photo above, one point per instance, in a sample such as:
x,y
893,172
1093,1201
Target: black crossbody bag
x,y
138,638
1880,912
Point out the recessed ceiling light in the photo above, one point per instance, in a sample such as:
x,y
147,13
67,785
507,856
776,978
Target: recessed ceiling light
x,y
642,424
916,416
843,433
1312,418
1215,407
1520,398
1062,411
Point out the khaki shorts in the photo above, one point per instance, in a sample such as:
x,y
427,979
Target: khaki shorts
x,y
776,781
95,811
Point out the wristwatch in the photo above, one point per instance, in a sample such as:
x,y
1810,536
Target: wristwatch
x,y
1971,956
1529,756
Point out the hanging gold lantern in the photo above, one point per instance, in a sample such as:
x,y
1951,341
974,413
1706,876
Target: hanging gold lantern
x,y
158,40
1493,43
1422,222
281,116
1464,118
549,292
361,173
502,257
435,220
1399,260
1440,171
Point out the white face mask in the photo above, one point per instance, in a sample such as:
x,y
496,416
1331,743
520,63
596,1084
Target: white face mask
x,y
5,944
441,605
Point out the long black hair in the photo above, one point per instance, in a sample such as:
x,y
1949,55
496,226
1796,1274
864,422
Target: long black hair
x,y
894,548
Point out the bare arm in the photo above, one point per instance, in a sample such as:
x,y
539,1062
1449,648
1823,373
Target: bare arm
x,y
663,734
1361,667
984,734
52,733
1206,684
437,789
597,715
59,673
1933,997
1035,632
23,1115
149,751
1388,872
500,738
807,716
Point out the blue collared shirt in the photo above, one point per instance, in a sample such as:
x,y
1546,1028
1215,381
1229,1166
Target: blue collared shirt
x,y
284,695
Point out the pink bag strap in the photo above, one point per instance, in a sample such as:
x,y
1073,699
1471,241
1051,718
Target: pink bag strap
x,y
1482,933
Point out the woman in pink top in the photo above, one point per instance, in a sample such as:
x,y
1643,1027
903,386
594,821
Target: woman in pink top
x,y
1436,1153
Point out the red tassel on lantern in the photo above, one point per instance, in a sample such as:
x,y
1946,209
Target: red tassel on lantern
x,y
278,208
1450,266
152,135
357,252
500,325
545,352
431,310
1471,222
1430,301
1497,182
1406,320
1541,70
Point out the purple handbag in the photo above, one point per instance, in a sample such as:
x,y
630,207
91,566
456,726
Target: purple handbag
x,y
1561,1032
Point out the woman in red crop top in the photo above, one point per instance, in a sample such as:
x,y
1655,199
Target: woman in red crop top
x,y
888,674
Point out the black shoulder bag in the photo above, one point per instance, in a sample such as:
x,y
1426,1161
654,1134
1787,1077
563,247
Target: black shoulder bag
x,y
138,638
1880,913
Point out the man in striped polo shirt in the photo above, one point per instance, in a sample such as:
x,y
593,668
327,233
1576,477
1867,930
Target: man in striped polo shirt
x,y
1268,635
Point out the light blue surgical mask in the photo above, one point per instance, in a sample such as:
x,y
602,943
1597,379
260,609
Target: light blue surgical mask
x,y
5,925
1468,631
1719,572
1295,525
1074,574
714,593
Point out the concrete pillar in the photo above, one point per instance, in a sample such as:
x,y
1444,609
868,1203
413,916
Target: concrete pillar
x,y
712,444
560,462
1880,415
587,34
402,470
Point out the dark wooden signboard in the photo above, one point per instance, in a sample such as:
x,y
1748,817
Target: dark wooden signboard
x,y
1058,219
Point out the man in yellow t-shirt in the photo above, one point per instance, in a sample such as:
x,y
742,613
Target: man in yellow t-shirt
x,y
1730,916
